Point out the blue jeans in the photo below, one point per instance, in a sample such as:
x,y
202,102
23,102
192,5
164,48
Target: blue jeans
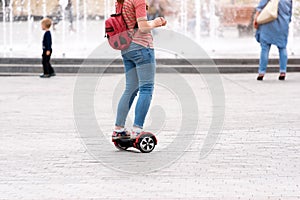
x,y
139,65
264,57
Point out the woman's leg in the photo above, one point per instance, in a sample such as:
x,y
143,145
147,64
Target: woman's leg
x,y
264,57
283,59
129,94
146,74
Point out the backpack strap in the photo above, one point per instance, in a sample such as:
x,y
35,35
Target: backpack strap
x,y
119,8
119,11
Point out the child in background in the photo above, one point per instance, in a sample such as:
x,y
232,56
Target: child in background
x,y
47,49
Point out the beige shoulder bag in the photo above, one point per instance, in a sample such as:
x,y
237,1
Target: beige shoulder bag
x,y
269,12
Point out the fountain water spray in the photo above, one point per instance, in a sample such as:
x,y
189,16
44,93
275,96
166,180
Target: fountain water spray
x,y
44,8
212,19
77,21
85,23
198,19
29,21
10,28
4,27
183,16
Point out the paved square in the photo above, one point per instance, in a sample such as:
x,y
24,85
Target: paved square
x,y
256,155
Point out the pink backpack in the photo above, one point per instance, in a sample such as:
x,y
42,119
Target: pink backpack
x,y
116,30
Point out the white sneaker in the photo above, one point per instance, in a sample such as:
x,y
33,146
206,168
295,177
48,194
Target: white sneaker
x,y
135,132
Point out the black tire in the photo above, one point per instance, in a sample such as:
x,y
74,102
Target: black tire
x,y
118,146
146,143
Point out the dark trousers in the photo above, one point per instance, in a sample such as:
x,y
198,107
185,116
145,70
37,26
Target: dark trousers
x,y
48,69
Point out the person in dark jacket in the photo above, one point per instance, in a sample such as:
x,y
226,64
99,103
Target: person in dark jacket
x,y
47,49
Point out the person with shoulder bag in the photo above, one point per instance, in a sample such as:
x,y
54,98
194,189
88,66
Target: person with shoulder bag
x,y
274,32
139,66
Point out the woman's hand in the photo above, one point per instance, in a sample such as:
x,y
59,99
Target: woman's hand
x,y
159,21
255,24
164,21
147,26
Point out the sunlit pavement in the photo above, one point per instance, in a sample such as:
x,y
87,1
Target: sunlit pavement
x,y
256,155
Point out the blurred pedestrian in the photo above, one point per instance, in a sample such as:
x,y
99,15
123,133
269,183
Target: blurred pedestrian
x,y
276,33
56,15
47,49
155,9
69,14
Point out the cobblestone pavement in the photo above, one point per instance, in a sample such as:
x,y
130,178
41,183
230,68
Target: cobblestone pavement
x,y
256,156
